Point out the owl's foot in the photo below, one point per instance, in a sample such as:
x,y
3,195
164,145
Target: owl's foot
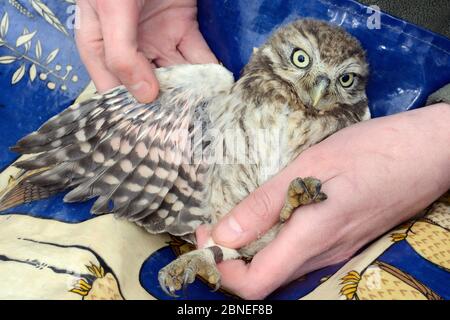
x,y
301,192
182,271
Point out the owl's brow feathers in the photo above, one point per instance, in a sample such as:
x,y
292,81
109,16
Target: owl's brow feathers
x,y
334,44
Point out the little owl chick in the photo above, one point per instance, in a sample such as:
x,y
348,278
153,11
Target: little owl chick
x,y
189,157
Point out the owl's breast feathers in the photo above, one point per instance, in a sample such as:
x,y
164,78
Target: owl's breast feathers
x,y
257,135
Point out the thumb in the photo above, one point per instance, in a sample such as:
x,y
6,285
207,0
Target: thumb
x,y
260,210
195,49
254,215
119,23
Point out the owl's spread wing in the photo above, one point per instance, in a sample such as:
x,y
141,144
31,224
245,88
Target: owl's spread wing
x,y
136,158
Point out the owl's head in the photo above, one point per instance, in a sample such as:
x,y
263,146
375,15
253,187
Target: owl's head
x,y
321,64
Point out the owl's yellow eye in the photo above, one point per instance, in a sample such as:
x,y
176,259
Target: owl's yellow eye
x,y
300,58
347,79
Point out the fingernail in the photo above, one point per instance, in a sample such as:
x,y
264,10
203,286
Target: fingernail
x,y
228,231
141,91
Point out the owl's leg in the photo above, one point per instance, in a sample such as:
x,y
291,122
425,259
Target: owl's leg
x,y
301,192
182,271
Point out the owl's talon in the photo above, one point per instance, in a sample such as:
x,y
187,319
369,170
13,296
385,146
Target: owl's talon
x,y
318,186
181,272
320,197
189,277
301,192
216,287
169,290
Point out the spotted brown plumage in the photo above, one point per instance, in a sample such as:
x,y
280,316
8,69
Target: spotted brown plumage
x,y
141,161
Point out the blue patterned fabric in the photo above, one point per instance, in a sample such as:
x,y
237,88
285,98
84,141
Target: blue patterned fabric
x,y
41,74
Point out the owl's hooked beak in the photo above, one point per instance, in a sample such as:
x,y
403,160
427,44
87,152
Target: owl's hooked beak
x,y
319,89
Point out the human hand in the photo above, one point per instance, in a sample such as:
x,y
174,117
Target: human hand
x,y
121,40
377,174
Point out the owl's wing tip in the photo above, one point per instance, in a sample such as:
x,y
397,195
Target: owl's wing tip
x,y
15,149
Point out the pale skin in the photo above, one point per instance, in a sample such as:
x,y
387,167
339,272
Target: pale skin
x,y
376,174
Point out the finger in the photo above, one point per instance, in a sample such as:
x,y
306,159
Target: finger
x,y
260,210
194,48
202,234
295,251
119,23
254,280
170,58
305,243
89,41
233,274
252,217
271,268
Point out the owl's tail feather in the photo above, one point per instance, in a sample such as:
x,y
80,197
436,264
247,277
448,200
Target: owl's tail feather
x,y
24,192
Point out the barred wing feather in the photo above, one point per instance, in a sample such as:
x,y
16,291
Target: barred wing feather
x,y
134,158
